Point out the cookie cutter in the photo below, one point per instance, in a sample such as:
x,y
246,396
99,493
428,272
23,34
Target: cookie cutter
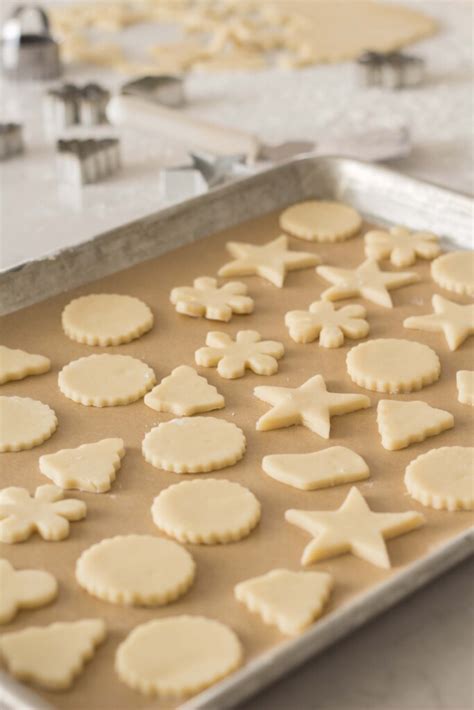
x,y
70,104
164,89
391,70
29,55
11,140
85,161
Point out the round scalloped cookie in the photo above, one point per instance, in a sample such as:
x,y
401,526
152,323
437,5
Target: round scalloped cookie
x,y
455,272
393,365
25,423
106,319
443,478
321,221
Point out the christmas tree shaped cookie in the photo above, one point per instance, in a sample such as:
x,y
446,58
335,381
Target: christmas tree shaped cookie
x,y
17,364
184,393
23,589
403,423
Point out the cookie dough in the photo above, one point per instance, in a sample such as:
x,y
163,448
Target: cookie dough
x,y
393,365
25,423
184,393
105,380
139,570
319,469
403,423
177,656
90,467
106,319
18,364
443,478
289,600
194,445
465,386
401,246
310,405
247,352
321,221
352,528
455,272
323,321
205,298
52,656
455,321
24,589
206,511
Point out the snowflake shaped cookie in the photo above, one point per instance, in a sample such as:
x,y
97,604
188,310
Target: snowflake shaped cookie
x,y
330,325
46,513
205,298
401,246
233,357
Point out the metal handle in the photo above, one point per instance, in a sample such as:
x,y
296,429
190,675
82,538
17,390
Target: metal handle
x,y
13,26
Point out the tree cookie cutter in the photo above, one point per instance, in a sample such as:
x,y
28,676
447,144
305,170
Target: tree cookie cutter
x,y
70,104
85,161
29,55
391,70
11,140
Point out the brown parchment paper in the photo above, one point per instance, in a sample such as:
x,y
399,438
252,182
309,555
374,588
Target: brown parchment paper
x,y
274,543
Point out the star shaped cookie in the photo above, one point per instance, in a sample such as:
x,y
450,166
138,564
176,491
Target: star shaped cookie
x,y
352,528
271,261
310,405
452,319
366,281
401,245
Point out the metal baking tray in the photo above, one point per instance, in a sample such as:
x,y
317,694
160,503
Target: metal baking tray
x,y
382,196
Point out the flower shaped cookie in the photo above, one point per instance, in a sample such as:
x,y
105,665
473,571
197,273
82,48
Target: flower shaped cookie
x,y
233,357
331,325
204,298
402,246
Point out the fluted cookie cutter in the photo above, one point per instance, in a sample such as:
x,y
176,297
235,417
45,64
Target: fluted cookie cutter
x,y
391,70
84,161
11,140
29,55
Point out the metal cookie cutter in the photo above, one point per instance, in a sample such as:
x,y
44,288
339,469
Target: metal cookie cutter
x,y
392,70
85,161
11,140
166,90
29,55
70,104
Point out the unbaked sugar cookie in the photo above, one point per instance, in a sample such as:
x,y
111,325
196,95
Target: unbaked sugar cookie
x,y
17,364
106,319
321,221
443,478
25,423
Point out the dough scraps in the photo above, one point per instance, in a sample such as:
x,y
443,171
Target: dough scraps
x,y
455,272
352,528
401,246
393,365
90,467
465,386
366,281
289,600
443,478
105,380
52,656
136,570
46,513
106,319
194,445
24,589
184,393
25,423
321,221
233,357
18,364
205,298
403,423
206,512
177,655
319,469
271,261
455,321
310,405
330,325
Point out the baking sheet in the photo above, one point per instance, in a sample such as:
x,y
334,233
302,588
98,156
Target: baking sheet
x,y
274,543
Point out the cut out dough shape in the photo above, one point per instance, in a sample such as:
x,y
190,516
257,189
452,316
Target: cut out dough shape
x,y
455,321
401,245
352,528
271,261
204,298
136,570
18,364
184,393
177,656
321,221
90,467
366,281
24,589
310,405
393,365
330,325
233,357
443,478
465,386
106,319
52,656
194,445
455,272
46,513
25,423
289,600
105,380
403,423
206,512
320,469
